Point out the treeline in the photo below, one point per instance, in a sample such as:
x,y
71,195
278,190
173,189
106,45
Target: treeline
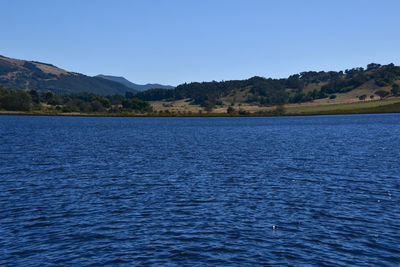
x,y
19,100
265,91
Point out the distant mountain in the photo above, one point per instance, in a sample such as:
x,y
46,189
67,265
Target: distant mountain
x,y
134,86
27,75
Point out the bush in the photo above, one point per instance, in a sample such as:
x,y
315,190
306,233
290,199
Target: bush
x,y
96,106
382,94
243,112
136,104
16,101
230,110
280,109
395,89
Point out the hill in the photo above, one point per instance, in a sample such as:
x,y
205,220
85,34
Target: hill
x,y
28,75
357,84
134,86
309,88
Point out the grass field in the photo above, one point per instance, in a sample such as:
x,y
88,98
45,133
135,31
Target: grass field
x,y
323,106
342,103
183,109
344,107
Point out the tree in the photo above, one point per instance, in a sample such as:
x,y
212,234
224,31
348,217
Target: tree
x,y
362,97
373,66
395,89
16,100
136,104
382,94
35,96
51,99
97,106
208,106
105,102
230,110
280,109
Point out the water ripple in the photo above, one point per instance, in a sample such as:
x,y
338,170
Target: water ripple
x,y
318,190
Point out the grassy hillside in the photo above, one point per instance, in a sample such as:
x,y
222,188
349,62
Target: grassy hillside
x,y
28,75
358,90
358,84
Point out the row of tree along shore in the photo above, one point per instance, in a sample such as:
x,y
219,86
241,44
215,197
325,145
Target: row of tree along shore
x,y
48,103
34,101
86,104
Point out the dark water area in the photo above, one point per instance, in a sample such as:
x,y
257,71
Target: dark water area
x,y
200,191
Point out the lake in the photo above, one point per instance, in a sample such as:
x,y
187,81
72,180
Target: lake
x,y
321,190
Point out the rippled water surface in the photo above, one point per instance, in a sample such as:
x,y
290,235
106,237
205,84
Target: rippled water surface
x,y
200,191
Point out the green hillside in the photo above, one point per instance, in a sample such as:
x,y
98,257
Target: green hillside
x,y
32,75
374,82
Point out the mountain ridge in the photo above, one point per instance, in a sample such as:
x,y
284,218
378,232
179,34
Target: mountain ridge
x,y
134,86
28,75
376,81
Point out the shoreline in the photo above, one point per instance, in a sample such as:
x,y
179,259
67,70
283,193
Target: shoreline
x,y
196,115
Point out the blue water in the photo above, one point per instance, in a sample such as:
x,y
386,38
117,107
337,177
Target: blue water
x,y
200,191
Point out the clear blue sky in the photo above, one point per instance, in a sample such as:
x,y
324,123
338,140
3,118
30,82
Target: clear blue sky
x,y
176,41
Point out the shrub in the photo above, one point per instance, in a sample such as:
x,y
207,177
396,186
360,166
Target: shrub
x,y
16,100
382,94
230,110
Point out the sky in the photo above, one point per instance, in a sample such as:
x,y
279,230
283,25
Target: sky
x,y
177,41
